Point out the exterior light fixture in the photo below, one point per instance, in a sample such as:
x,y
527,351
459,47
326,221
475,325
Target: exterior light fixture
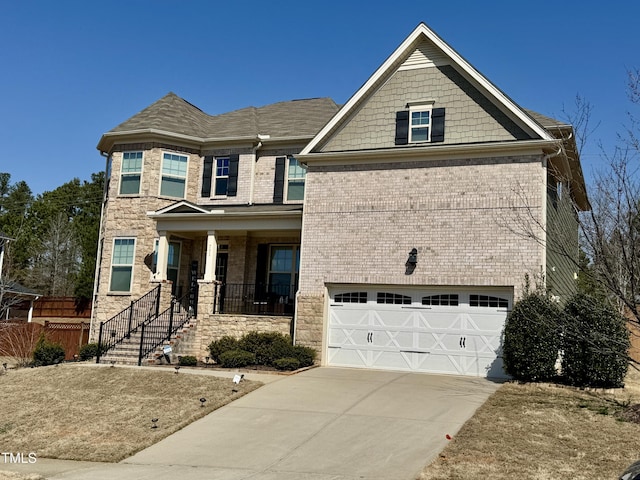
x,y
4,365
412,261
177,367
206,361
202,400
154,422
113,363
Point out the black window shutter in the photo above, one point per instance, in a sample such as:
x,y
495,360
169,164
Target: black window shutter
x,y
278,187
206,176
232,185
262,268
402,127
437,125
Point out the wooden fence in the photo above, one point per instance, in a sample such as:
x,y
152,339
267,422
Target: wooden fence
x,y
61,307
18,339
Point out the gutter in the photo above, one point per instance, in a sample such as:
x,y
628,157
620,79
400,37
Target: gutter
x,y
105,188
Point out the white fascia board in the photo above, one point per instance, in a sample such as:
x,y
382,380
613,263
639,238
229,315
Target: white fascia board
x,y
435,152
422,29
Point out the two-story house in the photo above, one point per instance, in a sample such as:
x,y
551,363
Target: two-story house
x,y
393,232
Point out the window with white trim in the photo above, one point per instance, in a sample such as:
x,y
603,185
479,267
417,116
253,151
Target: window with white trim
x,y
122,264
174,175
420,124
296,174
130,173
222,176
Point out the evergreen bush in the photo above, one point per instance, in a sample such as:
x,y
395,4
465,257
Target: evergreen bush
x,y
224,344
188,361
287,363
88,351
532,339
47,353
596,344
236,359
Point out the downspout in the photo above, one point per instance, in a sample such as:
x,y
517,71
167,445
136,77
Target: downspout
x,y
545,177
105,188
254,151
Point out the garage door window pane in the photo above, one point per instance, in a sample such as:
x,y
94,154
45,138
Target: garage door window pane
x,y
449,299
393,298
487,301
351,297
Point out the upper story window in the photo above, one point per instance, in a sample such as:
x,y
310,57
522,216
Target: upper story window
x,y
421,123
174,175
222,176
130,173
420,128
296,174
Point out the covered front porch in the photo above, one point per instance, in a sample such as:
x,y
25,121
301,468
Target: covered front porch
x,y
230,260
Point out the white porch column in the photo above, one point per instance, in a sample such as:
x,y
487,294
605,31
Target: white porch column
x,y
210,260
161,259
30,316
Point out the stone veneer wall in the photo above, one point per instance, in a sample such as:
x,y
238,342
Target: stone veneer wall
x,y
214,326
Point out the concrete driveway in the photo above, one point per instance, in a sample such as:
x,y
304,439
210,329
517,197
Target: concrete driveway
x,y
325,423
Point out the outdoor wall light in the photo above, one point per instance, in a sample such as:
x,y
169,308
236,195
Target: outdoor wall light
x,y
113,363
154,422
177,367
412,261
4,365
202,400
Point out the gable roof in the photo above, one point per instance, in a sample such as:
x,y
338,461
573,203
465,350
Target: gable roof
x,y
442,50
174,116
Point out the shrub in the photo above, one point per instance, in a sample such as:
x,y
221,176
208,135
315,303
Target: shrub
x,y
88,351
287,363
188,361
47,353
596,342
224,344
236,358
304,355
531,340
267,346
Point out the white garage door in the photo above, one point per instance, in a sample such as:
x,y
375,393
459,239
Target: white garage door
x,y
453,331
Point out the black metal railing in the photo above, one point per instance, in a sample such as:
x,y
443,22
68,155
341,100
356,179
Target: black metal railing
x,y
121,326
160,329
253,299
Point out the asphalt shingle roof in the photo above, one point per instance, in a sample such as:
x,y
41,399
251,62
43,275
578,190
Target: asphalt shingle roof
x,y
295,118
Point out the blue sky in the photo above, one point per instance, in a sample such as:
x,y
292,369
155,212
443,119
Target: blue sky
x,y
72,70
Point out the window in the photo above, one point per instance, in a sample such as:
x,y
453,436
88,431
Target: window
x,y
393,298
420,127
130,173
284,261
295,180
351,297
446,299
174,175
222,176
122,264
421,123
487,301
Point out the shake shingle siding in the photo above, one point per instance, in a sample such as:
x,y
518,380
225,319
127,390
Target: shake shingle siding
x,y
471,117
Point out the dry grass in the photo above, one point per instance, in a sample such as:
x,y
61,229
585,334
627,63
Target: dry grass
x,y
544,432
88,413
